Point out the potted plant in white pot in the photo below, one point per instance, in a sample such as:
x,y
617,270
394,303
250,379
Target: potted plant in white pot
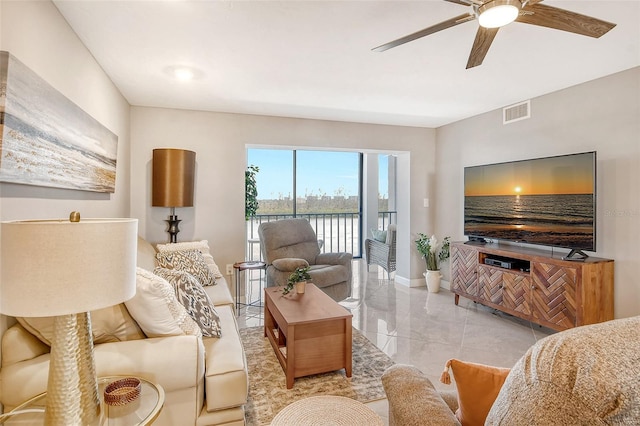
x,y
433,252
298,278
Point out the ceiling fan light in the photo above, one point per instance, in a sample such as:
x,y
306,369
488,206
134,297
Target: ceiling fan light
x,y
498,13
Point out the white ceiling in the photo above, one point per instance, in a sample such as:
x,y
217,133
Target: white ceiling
x,y
313,59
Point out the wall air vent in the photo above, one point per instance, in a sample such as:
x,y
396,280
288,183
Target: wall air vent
x,y
516,112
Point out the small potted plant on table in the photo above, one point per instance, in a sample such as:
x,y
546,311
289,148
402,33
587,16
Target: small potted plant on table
x,y
298,278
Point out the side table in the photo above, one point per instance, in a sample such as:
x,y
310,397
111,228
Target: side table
x,y
247,265
142,411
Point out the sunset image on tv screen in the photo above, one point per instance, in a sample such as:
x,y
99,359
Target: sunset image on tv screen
x,y
547,201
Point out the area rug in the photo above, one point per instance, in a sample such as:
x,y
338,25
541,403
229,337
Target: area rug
x,y
268,393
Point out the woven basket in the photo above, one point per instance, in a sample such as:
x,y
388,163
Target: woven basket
x,y
123,391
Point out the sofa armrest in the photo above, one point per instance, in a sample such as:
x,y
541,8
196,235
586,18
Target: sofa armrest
x,y
175,362
413,400
334,259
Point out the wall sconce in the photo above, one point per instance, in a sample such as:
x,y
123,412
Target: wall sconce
x,y
173,183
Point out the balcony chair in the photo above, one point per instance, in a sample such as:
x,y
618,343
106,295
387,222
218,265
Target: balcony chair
x,y
291,243
382,253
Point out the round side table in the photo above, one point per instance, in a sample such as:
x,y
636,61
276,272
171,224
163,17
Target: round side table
x,y
142,411
246,265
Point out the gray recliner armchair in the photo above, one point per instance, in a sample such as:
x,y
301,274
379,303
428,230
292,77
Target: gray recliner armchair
x,y
290,243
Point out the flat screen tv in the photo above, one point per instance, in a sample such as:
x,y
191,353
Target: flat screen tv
x,y
544,201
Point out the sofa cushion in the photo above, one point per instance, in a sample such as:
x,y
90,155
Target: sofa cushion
x,y
220,293
290,264
196,301
146,255
202,246
478,386
190,261
379,235
110,324
226,380
328,275
586,375
156,308
288,238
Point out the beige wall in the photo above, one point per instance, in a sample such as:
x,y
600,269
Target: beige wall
x,y
220,141
602,115
36,34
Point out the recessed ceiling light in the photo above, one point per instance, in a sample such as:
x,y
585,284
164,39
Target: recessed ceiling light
x,y
183,74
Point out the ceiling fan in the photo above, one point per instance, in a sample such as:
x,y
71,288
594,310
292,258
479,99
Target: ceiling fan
x,y
494,14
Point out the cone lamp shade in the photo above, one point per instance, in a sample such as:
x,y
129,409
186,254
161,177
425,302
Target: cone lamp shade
x,y
173,182
65,269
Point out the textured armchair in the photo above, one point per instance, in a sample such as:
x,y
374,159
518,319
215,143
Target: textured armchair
x,y
382,253
290,243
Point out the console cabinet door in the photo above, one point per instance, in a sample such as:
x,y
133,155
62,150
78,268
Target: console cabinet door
x,y
490,284
515,293
464,266
508,290
553,295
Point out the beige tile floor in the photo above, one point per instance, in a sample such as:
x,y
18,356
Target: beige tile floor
x,y
425,329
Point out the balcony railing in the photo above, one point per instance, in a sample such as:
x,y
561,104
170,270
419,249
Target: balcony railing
x,y
338,232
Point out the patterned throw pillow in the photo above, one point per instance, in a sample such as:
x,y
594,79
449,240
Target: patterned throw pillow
x,y
202,246
196,301
156,308
190,261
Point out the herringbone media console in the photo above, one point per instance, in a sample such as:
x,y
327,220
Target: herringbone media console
x,y
533,284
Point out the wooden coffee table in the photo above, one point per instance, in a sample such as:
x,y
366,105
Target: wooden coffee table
x,y
310,332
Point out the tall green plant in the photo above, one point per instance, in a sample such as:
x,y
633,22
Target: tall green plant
x,y
250,192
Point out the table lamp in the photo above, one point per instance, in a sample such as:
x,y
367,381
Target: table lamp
x,y
173,178
64,269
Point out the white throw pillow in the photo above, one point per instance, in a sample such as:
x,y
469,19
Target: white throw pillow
x,y
156,308
202,246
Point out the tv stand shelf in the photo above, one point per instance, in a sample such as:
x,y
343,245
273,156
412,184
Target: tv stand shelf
x,y
533,284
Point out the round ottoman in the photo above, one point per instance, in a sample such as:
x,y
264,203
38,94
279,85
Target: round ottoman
x,y
326,410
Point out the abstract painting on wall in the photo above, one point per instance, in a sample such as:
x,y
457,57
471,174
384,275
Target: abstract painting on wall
x,y
46,139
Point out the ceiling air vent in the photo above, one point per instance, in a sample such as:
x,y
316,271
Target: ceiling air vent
x,y
516,112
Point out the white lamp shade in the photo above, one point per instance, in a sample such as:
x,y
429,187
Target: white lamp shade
x,y
57,267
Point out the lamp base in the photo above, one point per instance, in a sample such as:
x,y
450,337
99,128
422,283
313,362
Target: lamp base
x,y
173,227
72,389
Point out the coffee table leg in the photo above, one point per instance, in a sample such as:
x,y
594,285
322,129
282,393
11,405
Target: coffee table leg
x,y
291,356
348,347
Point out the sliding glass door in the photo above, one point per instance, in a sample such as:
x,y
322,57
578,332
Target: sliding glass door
x,y
322,186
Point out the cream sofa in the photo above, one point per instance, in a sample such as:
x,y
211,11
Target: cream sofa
x,y
204,379
588,375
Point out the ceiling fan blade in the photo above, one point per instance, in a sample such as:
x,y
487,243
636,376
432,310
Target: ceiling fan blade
x,y
565,20
481,45
462,2
425,32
